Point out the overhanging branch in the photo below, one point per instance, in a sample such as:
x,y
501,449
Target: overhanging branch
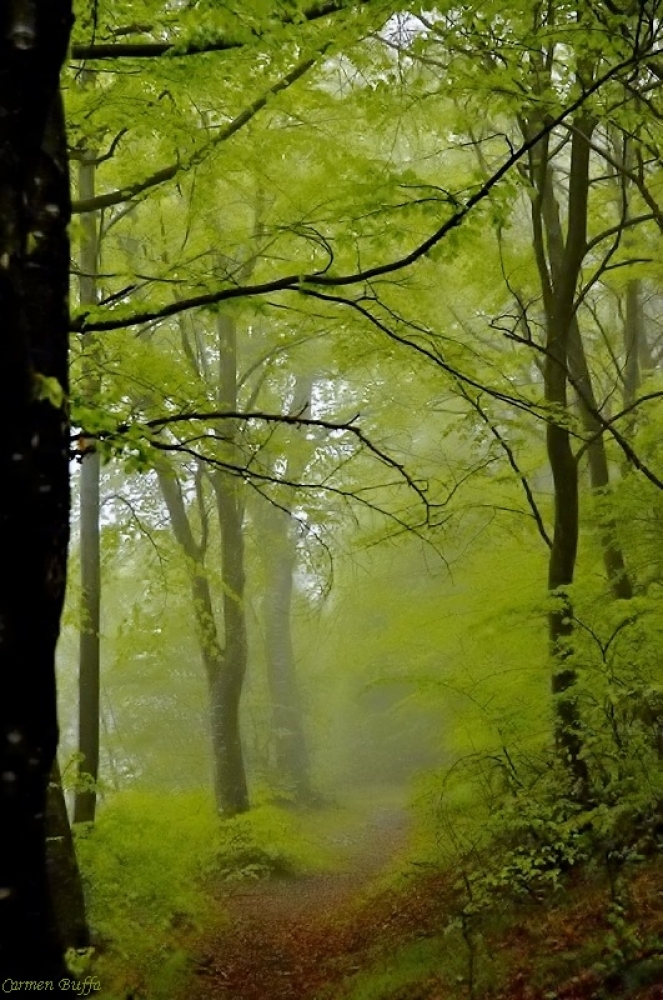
x,y
155,50
319,279
157,424
131,191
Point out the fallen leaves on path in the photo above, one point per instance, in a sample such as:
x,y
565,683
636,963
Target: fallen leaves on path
x,y
303,938
287,939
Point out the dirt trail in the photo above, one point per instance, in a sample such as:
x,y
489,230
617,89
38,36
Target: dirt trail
x,y
289,938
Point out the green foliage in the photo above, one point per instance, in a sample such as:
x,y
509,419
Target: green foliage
x,y
513,827
430,650
49,389
142,864
406,972
151,864
269,841
506,817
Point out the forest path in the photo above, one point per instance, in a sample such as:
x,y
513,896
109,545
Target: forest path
x,y
288,938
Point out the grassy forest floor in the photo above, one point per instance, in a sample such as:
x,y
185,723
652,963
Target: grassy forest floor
x,y
376,928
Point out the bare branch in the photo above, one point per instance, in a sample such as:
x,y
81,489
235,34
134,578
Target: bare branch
x,y
508,450
538,409
160,423
80,154
249,475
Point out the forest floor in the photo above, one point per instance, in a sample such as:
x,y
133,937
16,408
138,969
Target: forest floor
x,y
287,938
352,934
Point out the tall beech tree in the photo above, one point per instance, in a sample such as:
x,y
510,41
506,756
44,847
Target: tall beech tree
x,y
277,531
34,464
223,649
90,599
226,686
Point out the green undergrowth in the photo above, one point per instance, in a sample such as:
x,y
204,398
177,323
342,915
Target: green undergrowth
x,y
519,890
567,947
406,973
154,866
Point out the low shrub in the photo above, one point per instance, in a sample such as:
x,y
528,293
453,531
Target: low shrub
x,y
150,864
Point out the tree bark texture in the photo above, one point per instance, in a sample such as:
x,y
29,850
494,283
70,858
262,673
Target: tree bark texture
x,y
599,472
559,276
34,464
226,692
64,877
90,600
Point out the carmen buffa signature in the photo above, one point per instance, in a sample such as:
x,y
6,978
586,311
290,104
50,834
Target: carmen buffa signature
x,y
81,987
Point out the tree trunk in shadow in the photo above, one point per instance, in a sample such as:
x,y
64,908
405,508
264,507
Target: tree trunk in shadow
x,y
64,875
230,785
635,344
228,492
599,472
34,467
226,689
89,680
559,272
85,800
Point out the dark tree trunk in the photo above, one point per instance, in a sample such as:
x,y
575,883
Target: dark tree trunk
x,y
90,609
64,877
226,689
230,785
559,277
599,472
635,344
90,601
34,465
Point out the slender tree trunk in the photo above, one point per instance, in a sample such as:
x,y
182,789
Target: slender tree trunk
x,y
90,600
559,278
563,552
599,472
635,345
89,680
636,349
279,558
34,465
291,752
227,689
645,356
229,779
